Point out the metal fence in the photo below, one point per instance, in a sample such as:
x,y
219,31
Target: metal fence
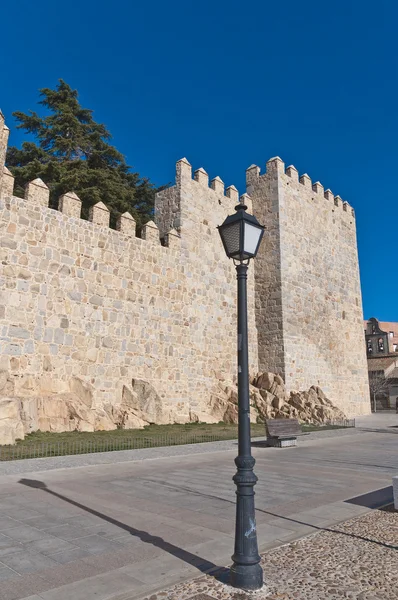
x,y
106,444
109,443
341,423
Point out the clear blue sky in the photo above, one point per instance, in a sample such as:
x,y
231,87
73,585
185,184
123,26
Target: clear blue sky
x,y
230,83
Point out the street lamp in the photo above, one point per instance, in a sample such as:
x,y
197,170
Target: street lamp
x,y
241,235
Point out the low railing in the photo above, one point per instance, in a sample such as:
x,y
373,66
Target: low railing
x,y
108,443
342,423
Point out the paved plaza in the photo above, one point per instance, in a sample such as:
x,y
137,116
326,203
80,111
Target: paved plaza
x,y
124,525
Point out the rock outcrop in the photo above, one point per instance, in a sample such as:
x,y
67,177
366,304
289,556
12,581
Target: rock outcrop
x,y
269,400
75,410
140,405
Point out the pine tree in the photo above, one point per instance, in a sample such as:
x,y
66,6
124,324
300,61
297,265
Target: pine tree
x,y
72,153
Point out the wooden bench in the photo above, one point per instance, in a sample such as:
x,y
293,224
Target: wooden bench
x,y
282,432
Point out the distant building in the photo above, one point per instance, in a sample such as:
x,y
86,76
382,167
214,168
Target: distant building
x,y
381,337
383,380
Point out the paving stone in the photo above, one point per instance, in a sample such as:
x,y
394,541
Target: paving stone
x,y
13,549
24,534
20,514
68,532
48,546
68,556
101,587
96,544
27,562
44,522
68,573
6,573
23,587
8,523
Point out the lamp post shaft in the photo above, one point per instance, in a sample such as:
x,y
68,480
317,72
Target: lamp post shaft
x,y
246,572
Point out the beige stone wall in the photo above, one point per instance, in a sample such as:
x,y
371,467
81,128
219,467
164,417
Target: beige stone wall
x,y
78,299
308,295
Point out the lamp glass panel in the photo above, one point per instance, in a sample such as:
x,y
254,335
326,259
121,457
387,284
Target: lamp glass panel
x,y
231,237
252,236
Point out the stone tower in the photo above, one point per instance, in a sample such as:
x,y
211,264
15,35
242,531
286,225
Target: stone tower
x,y
308,294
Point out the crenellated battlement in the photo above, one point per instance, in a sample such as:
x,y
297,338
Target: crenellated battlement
x,y
37,194
275,167
200,176
191,198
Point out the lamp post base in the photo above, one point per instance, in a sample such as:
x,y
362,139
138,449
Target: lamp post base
x,y
246,577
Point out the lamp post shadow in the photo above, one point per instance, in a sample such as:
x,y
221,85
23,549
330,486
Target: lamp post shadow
x,y
203,565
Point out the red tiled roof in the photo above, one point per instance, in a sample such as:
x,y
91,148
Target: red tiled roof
x,y
381,364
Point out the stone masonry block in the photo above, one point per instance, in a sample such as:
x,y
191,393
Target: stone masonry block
x,y
4,132
318,188
329,195
183,171
232,192
201,177
252,177
37,193
7,184
247,201
275,166
150,232
174,240
292,172
126,224
217,185
70,204
305,180
99,214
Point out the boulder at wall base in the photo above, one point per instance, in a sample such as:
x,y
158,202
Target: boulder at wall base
x,y
11,426
139,406
263,381
309,406
223,406
148,404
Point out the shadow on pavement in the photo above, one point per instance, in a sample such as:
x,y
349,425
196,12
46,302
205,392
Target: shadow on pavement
x,y
381,499
374,499
203,565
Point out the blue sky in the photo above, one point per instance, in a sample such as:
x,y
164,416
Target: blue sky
x,y
230,83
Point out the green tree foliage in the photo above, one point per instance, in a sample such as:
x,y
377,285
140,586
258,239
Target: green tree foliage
x,y
71,152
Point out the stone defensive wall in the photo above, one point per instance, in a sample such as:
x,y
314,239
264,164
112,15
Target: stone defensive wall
x,y
308,294
100,318
87,309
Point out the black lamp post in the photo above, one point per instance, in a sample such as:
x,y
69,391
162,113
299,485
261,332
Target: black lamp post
x,y
241,235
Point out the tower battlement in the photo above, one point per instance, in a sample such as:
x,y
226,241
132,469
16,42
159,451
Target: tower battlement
x,y
275,167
